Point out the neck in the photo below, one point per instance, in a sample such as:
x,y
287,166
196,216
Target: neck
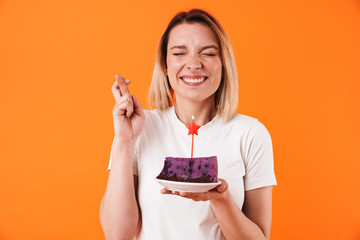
x,y
203,111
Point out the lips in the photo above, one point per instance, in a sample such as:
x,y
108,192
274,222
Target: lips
x,y
193,80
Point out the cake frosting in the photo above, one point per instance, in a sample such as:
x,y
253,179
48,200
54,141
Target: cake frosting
x,y
200,170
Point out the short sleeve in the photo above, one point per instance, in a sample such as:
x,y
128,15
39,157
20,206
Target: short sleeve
x,y
259,160
134,161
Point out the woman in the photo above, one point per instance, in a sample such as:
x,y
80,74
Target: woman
x,y
195,74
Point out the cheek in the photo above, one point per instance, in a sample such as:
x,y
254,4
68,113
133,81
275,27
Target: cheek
x,y
173,67
220,68
215,68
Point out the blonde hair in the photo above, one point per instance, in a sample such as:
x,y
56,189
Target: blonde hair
x,y
161,95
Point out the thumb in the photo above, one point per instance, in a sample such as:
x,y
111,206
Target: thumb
x,y
222,187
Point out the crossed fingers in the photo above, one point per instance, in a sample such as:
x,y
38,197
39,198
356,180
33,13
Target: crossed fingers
x,y
122,95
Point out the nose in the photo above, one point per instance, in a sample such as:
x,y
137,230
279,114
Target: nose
x,y
193,63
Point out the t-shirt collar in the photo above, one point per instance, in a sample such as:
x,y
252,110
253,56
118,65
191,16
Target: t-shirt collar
x,y
204,131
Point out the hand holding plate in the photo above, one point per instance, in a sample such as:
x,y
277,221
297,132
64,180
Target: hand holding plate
x,y
201,196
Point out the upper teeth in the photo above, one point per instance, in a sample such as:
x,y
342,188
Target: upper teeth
x,y
194,80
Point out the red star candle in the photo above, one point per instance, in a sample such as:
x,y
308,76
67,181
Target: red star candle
x,y
192,130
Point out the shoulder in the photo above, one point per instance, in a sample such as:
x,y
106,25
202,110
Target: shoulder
x,y
154,115
247,127
155,119
157,126
245,122
241,119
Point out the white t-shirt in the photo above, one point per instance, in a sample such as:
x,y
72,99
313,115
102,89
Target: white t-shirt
x,y
245,160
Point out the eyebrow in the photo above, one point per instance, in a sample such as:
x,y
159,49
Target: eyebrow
x,y
202,49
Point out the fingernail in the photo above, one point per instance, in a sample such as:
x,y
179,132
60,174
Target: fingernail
x,y
116,76
127,81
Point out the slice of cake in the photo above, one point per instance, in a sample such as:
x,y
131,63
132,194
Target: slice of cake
x,y
199,170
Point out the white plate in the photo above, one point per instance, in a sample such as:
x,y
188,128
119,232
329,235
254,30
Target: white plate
x,y
187,186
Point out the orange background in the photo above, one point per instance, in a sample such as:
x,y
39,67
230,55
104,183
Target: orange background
x,y
299,74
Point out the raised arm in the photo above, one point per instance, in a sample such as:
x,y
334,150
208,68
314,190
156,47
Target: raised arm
x,y
119,212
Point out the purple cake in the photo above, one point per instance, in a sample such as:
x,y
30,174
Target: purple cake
x,y
200,170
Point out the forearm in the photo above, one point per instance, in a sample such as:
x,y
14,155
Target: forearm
x,y
233,222
119,213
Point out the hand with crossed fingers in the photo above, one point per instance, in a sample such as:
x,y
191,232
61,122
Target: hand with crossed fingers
x,y
128,114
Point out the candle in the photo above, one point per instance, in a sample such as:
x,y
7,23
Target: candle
x,y
192,130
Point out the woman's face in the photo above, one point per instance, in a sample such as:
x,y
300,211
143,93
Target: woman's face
x,y
193,62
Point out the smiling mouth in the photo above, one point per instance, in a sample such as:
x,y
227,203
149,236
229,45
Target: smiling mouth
x,y
193,80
